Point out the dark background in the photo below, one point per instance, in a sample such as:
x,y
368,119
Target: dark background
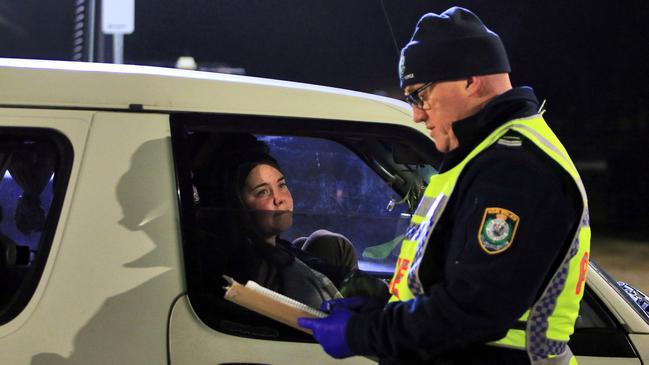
x,y
588,59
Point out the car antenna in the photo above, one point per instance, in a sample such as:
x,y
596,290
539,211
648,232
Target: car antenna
x,y
387,19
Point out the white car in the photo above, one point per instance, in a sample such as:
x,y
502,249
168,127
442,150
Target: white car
x,y
108,254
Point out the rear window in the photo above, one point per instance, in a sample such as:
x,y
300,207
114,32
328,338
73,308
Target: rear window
x,y
34,169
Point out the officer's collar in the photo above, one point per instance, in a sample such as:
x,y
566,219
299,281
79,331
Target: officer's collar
x,y
516,103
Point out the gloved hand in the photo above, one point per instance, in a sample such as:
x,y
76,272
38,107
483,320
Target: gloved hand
x,y
330,331
360,283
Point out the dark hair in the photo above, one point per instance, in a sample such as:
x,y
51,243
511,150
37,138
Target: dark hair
x,y
251,258
236,162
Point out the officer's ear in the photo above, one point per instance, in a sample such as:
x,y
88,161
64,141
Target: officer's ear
x,y
473,85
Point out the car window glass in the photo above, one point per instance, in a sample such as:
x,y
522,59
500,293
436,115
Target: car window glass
x,y
597,333
592,314
32,169
334,190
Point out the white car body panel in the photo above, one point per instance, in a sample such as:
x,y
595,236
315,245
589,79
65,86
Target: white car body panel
x,y
616,304
29,325
641,344
192,342
157,88
590,360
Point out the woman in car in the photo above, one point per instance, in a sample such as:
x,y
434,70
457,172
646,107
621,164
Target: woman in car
x,y
260,207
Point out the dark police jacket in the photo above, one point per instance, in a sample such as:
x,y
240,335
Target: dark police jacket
x,y
471,298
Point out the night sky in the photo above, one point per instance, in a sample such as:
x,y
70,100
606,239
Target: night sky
x,y
587,58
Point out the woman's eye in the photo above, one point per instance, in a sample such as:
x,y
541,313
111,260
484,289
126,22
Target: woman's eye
x,y
283,185
261,193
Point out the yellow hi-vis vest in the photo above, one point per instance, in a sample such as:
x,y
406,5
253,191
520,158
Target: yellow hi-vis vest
x,y
550,320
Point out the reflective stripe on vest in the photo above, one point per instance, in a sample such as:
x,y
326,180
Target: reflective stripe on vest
x,y
550,321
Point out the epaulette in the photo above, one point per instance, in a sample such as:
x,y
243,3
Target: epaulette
x,y
510,141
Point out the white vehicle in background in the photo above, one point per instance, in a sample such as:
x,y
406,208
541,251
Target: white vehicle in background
x,y
111,250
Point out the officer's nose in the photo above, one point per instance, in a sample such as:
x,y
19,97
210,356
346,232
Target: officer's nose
x,y
418,115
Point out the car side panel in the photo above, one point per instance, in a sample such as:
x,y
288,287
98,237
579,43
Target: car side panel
x,y
623,312
641,343
117,270
30,330
589,360
192,342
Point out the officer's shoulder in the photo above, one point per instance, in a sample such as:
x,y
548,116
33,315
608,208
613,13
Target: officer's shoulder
x,y
511,148
514,155
515,147
510,140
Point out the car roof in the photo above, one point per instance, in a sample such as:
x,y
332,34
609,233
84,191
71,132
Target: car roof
x,y
63,84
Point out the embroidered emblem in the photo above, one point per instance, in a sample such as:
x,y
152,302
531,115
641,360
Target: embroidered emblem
x,y
497,230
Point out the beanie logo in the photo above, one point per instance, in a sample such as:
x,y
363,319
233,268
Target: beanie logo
x,y
402,69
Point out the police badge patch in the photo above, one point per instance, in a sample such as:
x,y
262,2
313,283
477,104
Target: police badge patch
x,y
497,230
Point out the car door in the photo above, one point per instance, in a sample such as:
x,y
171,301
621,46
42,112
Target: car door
x,y
41,154
108,254
118,271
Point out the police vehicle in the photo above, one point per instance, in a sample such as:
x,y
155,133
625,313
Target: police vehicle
x,y
105,232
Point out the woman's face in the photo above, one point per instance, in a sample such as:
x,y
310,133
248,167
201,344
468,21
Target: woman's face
x,y
266,194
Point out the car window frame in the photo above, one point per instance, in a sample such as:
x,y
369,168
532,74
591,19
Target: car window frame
x,y
610,341
613,284
333,130
63,170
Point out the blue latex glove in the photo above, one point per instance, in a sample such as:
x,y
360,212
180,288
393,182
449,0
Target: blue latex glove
x,y
330,331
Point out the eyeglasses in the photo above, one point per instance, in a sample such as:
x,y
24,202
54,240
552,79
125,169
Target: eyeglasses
x,y
414,97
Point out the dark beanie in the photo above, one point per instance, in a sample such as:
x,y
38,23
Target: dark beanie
x,y
451,46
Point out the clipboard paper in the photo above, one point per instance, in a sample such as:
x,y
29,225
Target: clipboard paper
x,y
269,303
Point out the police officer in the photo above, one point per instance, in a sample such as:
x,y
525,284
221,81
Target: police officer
x,y
493,265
